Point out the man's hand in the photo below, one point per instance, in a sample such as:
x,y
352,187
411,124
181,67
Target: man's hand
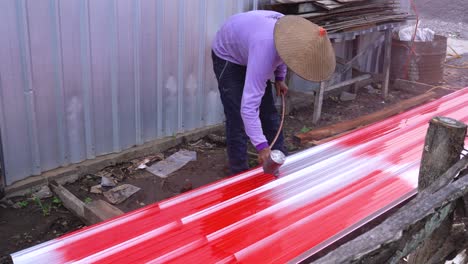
x,y
263,155
281,88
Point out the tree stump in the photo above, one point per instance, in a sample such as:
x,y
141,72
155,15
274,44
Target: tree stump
x,y
442,148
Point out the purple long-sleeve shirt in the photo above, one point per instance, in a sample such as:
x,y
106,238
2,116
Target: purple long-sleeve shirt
x,y
248,39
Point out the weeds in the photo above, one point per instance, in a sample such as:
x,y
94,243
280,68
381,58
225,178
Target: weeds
x,y
56,201
22,204
44,207
305,129
253,163
87,200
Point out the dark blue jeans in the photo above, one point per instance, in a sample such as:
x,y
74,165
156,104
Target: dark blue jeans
x,y
231,79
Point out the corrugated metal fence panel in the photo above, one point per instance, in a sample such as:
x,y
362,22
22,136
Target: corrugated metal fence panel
x,y
82,78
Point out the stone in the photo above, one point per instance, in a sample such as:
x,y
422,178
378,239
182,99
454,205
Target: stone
x,y
97,189
43,192
107,182
174,162
371,90
121,193
345,96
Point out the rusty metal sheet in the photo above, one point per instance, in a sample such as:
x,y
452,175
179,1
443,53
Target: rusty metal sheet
x,y
425,64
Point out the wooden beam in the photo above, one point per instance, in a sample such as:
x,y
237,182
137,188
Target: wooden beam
x,y
100,210
300,8
411,86
331,130
91,213
402,232
69,200
442,148
349,82
328,139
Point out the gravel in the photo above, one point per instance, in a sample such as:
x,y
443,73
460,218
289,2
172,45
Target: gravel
x,y
445,17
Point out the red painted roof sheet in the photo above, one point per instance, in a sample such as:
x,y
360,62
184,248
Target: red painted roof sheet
x,y
323,194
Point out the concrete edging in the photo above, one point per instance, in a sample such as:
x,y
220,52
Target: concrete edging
x,y
73,172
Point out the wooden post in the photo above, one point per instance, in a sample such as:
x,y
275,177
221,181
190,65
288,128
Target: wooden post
x,y
2,170
442,148
387,60
318,102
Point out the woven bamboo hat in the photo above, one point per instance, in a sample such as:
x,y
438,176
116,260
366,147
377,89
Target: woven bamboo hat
x,y
305,48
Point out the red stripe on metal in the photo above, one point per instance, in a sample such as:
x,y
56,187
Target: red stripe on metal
x,y
322,194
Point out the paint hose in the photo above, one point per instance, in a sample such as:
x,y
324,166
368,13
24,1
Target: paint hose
x,y
276,158
280,128
282,120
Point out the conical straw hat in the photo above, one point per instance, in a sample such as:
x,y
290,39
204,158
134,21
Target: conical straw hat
x,y
305,48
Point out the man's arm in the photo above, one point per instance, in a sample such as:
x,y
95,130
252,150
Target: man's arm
x,y
259,70
280,72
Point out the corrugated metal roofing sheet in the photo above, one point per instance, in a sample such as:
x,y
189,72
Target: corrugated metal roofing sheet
x,y
323,194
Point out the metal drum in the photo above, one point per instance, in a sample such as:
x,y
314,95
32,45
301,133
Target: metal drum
x,y
426,65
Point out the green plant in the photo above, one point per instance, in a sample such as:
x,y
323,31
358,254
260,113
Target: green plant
x,y
87,200
56,201
44,207
253,163
22,204
305,129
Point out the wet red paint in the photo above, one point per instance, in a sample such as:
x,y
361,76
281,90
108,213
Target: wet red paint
x,y
323,194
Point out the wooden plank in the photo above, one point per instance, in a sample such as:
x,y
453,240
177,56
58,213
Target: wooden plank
x,y
326,2
354,24
287,9
92,213
329,4
69,200
357,10
331,7
100,210
328,139
350,1
291,1
334,129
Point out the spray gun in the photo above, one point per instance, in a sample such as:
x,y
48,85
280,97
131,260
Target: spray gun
x,y
276,158
274,161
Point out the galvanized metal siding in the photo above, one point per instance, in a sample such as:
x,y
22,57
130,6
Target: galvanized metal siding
x,y
82,78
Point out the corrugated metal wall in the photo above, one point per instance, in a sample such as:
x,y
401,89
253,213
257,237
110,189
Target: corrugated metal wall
x,y
82,78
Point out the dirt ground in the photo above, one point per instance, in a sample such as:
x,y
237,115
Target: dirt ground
x,y
31,224
25,222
